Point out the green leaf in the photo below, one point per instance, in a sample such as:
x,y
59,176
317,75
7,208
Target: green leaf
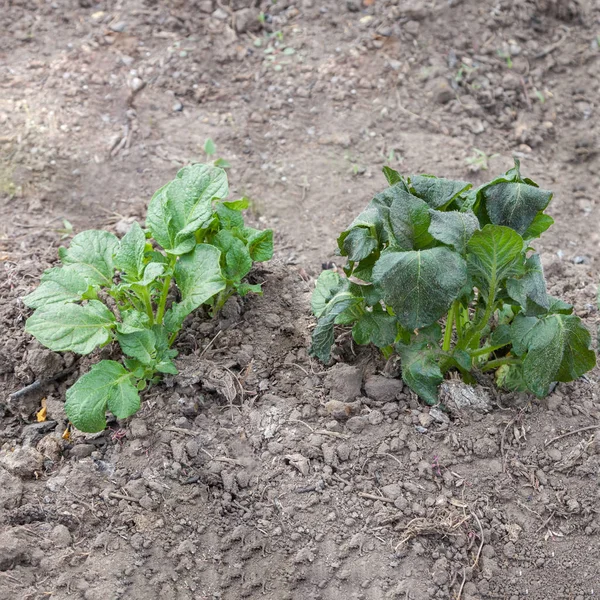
x,y
240,204
209,147
129,258
180,208
420,285
166,366
453,228
555,348
198,276
420,368
557,307
392,175
222,163
260,243
531,287
107,386
322,338
139,344
540,223
132,321
409,222
493,254
91,254
359,243
437,192
376,326
327,286
58,286
243,289
515,204
237,257
72,327
229,218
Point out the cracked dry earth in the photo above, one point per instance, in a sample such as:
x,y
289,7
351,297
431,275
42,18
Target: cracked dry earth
x,y
258,472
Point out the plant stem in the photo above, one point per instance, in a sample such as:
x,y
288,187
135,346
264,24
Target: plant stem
x,y
506,360
145,295
487,349
448,331
160,311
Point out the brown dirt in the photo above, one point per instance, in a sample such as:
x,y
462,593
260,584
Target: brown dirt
x,y
257,472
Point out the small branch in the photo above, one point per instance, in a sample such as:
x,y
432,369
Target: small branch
x,y
564,435
123,497
374,497
40,383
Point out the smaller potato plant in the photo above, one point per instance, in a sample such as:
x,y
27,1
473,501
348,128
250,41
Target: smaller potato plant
x,y
118,290
444,275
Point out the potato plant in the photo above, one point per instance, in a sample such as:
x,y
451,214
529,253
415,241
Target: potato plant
x,y
444,275
110,290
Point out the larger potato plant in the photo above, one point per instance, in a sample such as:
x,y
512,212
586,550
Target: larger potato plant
x,y
444,275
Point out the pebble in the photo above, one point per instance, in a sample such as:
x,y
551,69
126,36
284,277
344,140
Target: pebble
x,y
61,536
11,490
118,27
356,424
136,84
177,106
24,462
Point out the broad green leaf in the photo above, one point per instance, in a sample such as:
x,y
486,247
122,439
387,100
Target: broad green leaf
x,y
555,348
511,377
322,338
199,278
540,223
235,254
327,286
501,336
556,306
129,257
359,243
453,228
139,344
166,366
133,321
420,285
531,287
240,204
229,218
437,192
493,254
107,386
91,254
152,271
392,175
72,327
409,222
376,216
184,205
420,368
515,205
260,243
376,326
58,286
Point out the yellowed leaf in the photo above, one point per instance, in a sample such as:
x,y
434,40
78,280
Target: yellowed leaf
x,y
41,414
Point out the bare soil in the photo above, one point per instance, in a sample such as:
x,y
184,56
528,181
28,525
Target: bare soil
x,y
257,472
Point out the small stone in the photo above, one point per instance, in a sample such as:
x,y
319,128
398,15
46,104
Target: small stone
x,y
11,490
61,536
375,417
412,27
205,6
136,84
220,14
383,389
177,106
81,451
139,429
441,90
50,447
12,551
425,419
22,461
246,20
342,410
554,454
118,27
392,491
354,5
438,415
344,382
356,424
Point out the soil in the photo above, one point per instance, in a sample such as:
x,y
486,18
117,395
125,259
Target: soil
x,y
257,472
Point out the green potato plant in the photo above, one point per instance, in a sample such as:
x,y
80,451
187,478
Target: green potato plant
x,y
111,290
444,275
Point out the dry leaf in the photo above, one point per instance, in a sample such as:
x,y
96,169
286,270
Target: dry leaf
x,y
41,414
